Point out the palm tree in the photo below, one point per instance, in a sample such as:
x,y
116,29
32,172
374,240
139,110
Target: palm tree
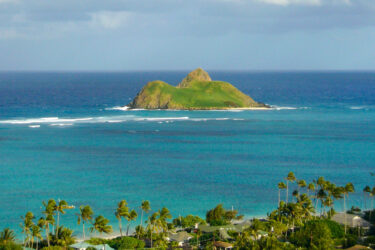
x,y
372,194
290,178
101,225
199,233
26,225
121,211
321,195
301,184
366,191
131,217
139,231
145,207
349,188
36,233
310,187
44,222
50,209
85,215
281,185
65,237
164,215
295,194
60,208
7,236
153,224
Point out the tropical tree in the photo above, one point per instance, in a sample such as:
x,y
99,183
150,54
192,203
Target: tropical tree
x,y
50,209
153,224
7,236
290,178
44,222
280,186
60,209
366,192
372,194
64,237
301,184
198,232
36,233
140,232
310,187
122,211
132,216
145,207
26,226
85,215
349,188
164,215
100,225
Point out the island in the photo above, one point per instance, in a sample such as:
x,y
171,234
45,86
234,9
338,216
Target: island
x,y
195,92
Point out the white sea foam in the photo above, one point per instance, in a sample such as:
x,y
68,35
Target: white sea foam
x,y
122,108
34,126
361,107
61,124
160,118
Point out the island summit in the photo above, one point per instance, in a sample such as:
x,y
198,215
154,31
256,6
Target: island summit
x,y
195,92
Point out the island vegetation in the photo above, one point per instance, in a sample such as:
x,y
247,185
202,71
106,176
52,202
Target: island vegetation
x,y
305,218
195,92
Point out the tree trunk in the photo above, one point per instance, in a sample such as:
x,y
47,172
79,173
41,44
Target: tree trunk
x,y
120,226
127,230
279,198
83,229
58,224
151,236
287,191
47,234
345,215
364,200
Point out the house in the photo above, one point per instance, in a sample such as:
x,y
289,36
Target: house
x,y
352,220
84,245
220,245
179,237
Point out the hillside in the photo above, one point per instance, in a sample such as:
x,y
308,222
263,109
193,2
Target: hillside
x,y
195,92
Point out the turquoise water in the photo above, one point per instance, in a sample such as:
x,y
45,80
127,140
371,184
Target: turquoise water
x,y
61,136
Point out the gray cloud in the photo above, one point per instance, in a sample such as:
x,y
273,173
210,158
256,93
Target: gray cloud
x,y
42,18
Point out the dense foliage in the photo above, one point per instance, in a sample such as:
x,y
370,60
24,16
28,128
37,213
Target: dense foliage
x,y
300,221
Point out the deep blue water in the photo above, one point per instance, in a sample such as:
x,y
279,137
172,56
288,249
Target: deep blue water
x,y
86,152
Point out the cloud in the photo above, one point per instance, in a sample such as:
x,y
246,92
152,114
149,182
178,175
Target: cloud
x,y
109,19
9,1
289,2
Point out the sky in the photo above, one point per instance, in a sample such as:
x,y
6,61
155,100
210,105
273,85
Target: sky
x,y
134,35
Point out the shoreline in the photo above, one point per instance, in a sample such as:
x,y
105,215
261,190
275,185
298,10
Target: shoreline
x,y
127,108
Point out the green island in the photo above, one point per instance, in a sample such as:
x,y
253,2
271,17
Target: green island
x,y
305,218
195,92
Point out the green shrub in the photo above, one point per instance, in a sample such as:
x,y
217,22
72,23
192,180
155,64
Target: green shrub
x,y
370,240
97,241
53,248
350,240
188,221
126,243
314,234
11,246
336,229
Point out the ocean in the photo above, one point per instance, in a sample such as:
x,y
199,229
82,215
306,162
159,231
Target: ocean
x,y
63,136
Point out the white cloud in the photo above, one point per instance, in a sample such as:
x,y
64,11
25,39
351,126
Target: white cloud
x,y
289,2
8,1
306,2
109,19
